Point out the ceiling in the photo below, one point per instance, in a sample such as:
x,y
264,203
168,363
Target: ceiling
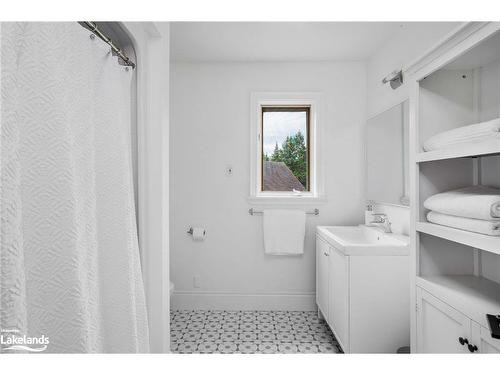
x,y
278,41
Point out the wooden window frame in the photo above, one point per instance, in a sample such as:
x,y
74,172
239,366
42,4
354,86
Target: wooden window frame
x,y
317,166
286,108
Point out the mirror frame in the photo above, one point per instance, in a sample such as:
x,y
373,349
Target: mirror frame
x,y
404,200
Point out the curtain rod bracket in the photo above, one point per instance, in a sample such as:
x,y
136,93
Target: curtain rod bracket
x,y
92,26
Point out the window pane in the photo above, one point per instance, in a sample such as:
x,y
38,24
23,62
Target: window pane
x,y
285,159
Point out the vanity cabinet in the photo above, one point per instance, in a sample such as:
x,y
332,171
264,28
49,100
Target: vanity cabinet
x,y
339,295
322,275
364,298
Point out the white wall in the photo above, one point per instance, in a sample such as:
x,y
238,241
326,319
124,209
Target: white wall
x,y
210,120
404,47
489,101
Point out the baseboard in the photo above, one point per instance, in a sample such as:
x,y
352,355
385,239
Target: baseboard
x,y
193,300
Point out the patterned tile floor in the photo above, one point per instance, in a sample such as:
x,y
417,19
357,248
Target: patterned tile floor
x,y
248,332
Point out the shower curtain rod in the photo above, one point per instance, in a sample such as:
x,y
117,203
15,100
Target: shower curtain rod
x,y
93,27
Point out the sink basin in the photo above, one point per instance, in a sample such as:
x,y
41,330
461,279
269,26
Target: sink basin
x,y
364,240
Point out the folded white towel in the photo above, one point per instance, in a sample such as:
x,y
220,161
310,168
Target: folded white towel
x,y
476,202
474,133
489,227
284,231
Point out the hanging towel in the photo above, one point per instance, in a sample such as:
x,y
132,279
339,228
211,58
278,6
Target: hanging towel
x,y
284,232
475,202
490,227
483,131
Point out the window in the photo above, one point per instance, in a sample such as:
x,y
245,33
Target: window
x,y
285,147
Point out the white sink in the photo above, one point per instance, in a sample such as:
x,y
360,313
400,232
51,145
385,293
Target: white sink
x,y
363,240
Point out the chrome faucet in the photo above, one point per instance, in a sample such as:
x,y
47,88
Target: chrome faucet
x,y
381,221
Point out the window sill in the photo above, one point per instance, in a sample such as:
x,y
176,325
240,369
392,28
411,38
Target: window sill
x,y
286,200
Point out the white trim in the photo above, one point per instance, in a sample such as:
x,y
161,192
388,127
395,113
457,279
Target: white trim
x,y
151,44
315,101
188,300
414,210
450,47
446,42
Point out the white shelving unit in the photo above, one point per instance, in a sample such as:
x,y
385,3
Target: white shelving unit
x,y
473,150
475,240
455,274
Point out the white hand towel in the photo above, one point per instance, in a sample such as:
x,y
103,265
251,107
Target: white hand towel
x,y
474,133
476,202
489,227
284,232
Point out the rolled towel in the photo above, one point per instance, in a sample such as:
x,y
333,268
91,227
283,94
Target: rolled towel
x,y
476,202
489,227
474,133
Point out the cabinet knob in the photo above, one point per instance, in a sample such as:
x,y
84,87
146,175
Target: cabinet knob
x,y
326,254
472,348
463,341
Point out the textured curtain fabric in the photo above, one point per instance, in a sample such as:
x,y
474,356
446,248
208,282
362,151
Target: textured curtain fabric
x,y
70,266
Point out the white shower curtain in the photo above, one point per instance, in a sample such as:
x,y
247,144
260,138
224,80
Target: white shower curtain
x,y
70,266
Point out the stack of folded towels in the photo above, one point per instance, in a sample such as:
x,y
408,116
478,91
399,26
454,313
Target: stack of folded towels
x,y
473,208
475,133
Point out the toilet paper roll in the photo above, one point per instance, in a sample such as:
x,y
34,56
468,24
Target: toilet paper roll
x,y
199,234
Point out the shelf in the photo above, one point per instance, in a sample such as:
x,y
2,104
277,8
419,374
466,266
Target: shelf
x,y
472,295
462,151
476,240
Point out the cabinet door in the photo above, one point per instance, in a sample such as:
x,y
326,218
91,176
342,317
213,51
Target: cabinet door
x,y
322,255
439,326
339,297
481,337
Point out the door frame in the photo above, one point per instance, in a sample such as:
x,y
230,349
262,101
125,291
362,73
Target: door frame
x,y
151,44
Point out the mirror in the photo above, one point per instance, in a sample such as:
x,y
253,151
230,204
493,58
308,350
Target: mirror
x,y
386,156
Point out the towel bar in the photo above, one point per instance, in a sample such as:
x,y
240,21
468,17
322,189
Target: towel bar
x,y
252,212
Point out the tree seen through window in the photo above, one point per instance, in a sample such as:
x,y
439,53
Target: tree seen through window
x,y
285,151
